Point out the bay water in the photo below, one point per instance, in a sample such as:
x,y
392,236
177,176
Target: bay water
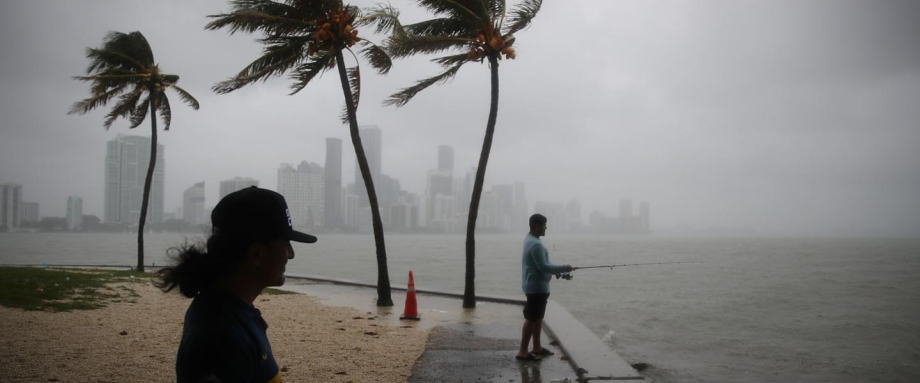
x,y
751,310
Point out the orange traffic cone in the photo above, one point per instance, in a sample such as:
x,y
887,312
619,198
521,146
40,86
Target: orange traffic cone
x,y
411,311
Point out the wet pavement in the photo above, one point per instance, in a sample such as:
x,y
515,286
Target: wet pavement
x,y
465,345
456,353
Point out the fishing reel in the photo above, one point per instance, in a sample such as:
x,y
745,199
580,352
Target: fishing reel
x,y
566,276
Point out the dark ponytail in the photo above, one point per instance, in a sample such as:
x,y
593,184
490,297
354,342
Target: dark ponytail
x,y
198,266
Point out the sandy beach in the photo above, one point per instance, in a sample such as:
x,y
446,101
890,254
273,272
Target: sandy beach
x,y
135,339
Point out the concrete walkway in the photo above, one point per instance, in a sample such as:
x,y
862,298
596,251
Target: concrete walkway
x,y
479,345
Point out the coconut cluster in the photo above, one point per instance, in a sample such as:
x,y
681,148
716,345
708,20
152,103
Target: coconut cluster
x,y
488,41
337,28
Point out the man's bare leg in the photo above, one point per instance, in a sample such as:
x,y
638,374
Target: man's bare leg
x,y
537,331
526,334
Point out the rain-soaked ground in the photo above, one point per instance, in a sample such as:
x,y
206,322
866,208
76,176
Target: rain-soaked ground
x,y
475,345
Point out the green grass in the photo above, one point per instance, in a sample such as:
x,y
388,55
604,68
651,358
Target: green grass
x,y
48,289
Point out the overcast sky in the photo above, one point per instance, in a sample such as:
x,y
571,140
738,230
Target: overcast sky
x,y
787,117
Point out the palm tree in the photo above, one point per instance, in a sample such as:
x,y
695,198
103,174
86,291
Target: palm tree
x,y
475,31
124,67
307,38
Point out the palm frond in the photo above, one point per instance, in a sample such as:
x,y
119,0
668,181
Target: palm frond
x,y
279,56
96,100
376,56
403,96
471,11
384,18
354,83
497,9
449,61
443,26
105,60
273,19
121,50
125,106
165,111
305,72
139,113
407,45
521,16
186,96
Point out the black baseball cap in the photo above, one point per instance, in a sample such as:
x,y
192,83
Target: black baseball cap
x,y
256,213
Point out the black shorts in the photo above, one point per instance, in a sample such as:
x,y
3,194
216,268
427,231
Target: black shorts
x,y
535,307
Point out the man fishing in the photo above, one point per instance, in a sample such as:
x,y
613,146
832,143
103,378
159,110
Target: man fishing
x,y
536,274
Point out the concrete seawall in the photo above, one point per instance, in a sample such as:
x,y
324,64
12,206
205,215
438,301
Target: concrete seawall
x,y
590,358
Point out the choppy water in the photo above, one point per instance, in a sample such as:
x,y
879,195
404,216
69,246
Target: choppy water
x,y
755,310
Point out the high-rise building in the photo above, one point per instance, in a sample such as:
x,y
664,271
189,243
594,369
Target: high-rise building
x,y
303,188
126,163
372,140
645,217
28,212
555,213
193,205
504,199
626,208
446,158
333,184
439,188
236,183
74,213
10,199
521,207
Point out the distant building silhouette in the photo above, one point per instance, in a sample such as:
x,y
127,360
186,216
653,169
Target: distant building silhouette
x,y
372,140
446,158
333,184
236,183
29,213
303,188
645,217
626,223
439,200
10,200
74,213
126,162
193,205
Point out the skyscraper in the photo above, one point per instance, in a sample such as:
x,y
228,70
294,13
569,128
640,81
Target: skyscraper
x,y
446,158
333,184
303,188
372,140
10,199
126,162
236,183
193,205
74,213
645,217
438,190
28,212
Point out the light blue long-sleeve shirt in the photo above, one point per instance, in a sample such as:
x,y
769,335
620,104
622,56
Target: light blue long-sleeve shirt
x,y
535,266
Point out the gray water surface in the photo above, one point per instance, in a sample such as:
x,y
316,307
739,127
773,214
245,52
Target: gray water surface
x,y
754,310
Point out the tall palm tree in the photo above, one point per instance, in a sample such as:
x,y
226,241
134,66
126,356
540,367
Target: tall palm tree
x,y
471,31
124,67
307,38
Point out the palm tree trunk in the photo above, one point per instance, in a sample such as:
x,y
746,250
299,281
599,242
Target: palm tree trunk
x,y
469,290
383,277
147,181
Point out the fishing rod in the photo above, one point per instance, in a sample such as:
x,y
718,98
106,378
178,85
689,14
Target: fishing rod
x,y
568,275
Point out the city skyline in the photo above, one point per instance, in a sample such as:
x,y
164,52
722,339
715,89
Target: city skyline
x,y
783,117
441,207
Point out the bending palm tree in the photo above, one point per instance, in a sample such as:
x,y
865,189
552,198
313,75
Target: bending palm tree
x,y
306,38
124,67
480,31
